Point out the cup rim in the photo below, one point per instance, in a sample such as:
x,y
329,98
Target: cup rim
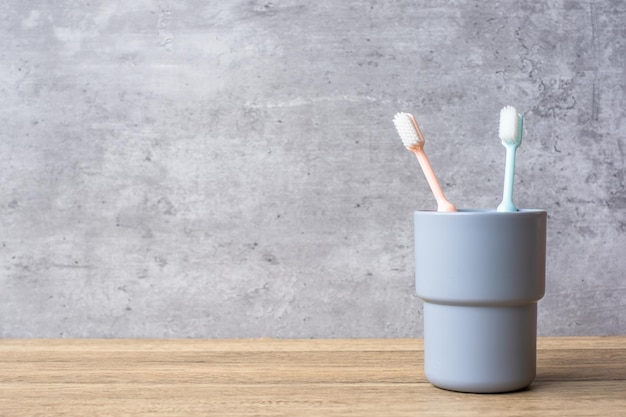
x,y
480,212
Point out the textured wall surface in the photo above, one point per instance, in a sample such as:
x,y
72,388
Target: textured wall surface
x,y
230,168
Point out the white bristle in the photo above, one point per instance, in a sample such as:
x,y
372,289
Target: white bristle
x,y
406,130
508,124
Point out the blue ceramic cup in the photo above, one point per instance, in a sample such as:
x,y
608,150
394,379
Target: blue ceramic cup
x,y
480,274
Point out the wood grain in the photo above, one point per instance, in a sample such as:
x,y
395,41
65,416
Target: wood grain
x,y
268,377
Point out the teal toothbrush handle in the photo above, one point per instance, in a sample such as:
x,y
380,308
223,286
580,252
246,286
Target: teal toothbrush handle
x,y
509,173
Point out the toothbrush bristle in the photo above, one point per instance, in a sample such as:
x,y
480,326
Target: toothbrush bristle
x,y
508,125
405,126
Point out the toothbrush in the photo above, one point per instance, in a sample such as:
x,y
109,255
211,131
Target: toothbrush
x,y
413,140
511,136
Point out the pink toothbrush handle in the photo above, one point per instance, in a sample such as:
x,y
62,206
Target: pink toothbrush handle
x,y
442,202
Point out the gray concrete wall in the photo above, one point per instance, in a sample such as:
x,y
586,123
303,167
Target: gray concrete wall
x,y
230,168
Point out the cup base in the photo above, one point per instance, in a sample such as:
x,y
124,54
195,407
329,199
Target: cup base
x,y
480,349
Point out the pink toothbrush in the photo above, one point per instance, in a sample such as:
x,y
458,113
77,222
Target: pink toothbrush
x,y
413,140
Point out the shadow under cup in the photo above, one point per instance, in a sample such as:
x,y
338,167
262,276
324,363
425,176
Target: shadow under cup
x,y
480,274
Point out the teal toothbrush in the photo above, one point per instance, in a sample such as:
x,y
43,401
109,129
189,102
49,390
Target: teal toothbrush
x,y
511,136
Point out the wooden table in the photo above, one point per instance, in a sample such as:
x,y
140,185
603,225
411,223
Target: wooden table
x,y
267,377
